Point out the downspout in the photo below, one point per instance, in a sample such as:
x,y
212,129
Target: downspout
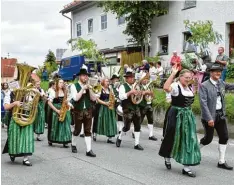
x,y
70,24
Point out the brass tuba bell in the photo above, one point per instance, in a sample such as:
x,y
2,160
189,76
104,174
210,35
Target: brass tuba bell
x,y
26,113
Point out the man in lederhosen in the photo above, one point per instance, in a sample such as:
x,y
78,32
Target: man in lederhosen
x,y
213,113
131,112
82,97
146,109
115,86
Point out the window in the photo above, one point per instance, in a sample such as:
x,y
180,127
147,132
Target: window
x,y
189,4
90,26
66,63
121,20
188,46
78,29
103,22
163,45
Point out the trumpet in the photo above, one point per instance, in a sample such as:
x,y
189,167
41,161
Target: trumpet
x,y
94,85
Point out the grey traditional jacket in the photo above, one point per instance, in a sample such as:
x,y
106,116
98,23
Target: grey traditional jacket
x,y
208,98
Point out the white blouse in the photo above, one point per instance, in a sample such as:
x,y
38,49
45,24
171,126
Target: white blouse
x,y
175,90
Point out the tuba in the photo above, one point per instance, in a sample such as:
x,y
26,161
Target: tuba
x,y
136,99
26,113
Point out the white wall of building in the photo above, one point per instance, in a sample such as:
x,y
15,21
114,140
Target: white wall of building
x,y
111,37
171,24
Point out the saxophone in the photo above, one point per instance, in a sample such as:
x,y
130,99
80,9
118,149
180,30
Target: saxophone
x,y
64,108
111,99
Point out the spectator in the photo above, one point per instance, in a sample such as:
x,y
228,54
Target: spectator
x,y
223,60
145,66
125,68
44,74
175,60
152,69
159,72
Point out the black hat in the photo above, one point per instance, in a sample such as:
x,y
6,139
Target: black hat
x,y
82,72
129,74
216,67
114,76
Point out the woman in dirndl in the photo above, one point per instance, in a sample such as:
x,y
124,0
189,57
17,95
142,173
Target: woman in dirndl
x,y
59,132
39,122
47,107
106,119
180,139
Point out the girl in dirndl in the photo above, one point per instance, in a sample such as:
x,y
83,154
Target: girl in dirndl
x,y
106,117
58,132
180,139
39,122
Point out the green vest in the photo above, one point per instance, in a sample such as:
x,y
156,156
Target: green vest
x,y
143,103
84,100
116,93
127,104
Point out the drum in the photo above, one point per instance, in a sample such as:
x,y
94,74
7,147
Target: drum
x,y
119,110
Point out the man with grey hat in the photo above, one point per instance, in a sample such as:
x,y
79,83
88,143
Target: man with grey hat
x,y
131,111
212,93
83,97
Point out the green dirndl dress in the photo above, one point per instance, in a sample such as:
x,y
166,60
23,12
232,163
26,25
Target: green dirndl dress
x,y
180,139
186,148
106,119
59,132
20,139
39,123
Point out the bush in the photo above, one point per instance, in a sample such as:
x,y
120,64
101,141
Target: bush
x,y
45,85
230,71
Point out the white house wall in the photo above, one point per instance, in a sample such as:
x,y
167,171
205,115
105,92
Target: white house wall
x,y
109,38
220,12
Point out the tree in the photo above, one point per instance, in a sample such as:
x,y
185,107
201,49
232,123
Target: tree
x,y
89,49
202,33
50,58
138,15
49,64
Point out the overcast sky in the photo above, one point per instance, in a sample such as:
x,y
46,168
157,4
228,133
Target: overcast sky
x,y
30,28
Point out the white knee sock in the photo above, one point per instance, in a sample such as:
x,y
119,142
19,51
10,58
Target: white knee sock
x,y
74,138
88,143
120,125
222,151
151,128
168,160
82,130
38,135
121,135
137,138
25,158
187,168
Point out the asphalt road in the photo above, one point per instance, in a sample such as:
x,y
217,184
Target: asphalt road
x,y
112,166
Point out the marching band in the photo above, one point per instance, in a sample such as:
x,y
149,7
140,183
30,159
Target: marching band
x,y
108,108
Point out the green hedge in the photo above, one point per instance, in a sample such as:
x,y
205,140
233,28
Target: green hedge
x,y
160,102
45,85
